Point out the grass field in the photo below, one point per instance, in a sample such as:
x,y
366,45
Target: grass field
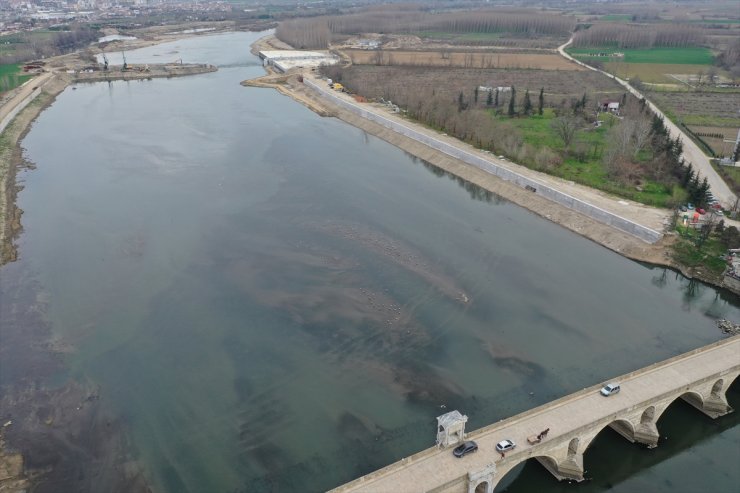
x,y
537,132
676,56
463,59
458,36
616,17
11,76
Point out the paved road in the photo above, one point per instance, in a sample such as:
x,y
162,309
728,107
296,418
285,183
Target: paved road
x,y
10,109
691,152
433,467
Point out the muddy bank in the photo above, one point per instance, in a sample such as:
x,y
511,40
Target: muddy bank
x,y
57,433
11,160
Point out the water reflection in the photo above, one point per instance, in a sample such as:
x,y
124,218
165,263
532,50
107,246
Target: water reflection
x,y
281,306
475,192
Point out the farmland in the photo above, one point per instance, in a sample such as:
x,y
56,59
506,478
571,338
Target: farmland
x,y
657,73
558,85
689,55
11,76
462,59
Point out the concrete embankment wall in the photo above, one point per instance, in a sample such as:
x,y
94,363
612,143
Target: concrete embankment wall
x,y
642,232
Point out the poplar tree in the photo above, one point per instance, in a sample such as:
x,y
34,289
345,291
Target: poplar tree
x,y
495,102
489,98
512,102
541,102
527,103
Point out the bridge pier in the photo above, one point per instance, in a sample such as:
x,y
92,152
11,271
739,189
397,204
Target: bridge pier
x,y
714,406
647,434
571,468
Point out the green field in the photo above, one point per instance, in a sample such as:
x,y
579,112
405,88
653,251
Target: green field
x,y
537,131
458,36
616,17
11,76
678,56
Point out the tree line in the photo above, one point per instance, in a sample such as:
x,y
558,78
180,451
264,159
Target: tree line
x,y
636,149
646,36
315,32
29,46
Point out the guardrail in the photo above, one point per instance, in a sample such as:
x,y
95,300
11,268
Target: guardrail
x,y
603,216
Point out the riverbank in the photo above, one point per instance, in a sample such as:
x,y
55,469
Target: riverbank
x,y
659,253
53,437
607,236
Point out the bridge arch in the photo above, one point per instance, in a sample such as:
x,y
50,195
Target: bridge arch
x,y
517,469
573,447
483,487
716,391
648,416
622,426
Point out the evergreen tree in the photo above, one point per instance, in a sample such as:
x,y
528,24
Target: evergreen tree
x,y
658,126
736,155
512,102
489,99
702,191
475,94
541,102
495,100
688,176
460,102
527,103
583,101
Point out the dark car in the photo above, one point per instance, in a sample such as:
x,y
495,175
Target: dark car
x,y
465,448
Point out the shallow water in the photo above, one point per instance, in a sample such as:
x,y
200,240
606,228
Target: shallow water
x,y
273,300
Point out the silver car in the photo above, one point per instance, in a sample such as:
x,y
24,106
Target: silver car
x,y
609,389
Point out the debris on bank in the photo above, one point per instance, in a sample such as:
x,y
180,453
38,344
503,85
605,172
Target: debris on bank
x,y
728,327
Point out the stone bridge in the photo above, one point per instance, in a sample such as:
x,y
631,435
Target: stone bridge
x,y
700,377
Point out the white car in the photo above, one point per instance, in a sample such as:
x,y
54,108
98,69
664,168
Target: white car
x,y
505,445
609,389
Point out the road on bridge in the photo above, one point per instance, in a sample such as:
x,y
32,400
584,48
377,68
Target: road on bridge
x,y
433,467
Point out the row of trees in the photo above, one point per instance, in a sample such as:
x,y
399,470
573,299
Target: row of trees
x,y
315,32
637,147
305,33
453,22
646,36
30,46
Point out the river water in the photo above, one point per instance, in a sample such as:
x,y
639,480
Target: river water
x,y
275,301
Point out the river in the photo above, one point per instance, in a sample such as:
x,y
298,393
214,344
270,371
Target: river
x,y
275,301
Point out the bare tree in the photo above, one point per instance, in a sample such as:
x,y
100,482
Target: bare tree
x,y
565,127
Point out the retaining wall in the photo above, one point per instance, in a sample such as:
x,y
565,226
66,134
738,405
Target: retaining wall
x,y
642,232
